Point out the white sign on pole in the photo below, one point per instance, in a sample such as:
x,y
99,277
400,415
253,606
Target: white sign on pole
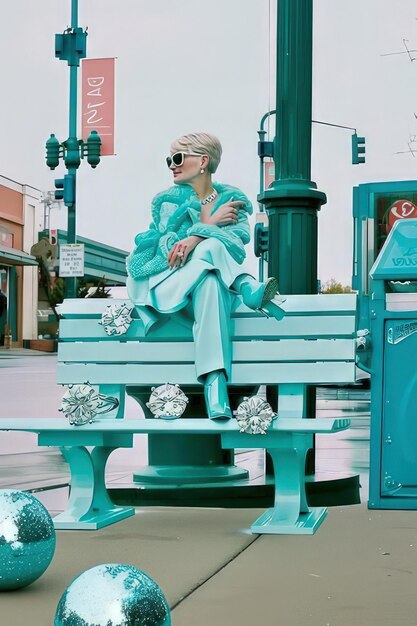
x,y
71,260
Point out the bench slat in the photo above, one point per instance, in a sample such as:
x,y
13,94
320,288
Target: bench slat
x,y
184,374
183,352
179,426
308,304
243,328
91,330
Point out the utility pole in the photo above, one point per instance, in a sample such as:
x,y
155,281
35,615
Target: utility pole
x,y
71,46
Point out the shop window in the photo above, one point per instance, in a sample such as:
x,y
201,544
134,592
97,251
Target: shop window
x,y
3,279
6,238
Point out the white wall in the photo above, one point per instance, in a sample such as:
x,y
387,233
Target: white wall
x,y
32,212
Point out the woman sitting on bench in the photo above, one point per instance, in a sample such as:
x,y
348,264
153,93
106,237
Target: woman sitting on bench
x,y
190,259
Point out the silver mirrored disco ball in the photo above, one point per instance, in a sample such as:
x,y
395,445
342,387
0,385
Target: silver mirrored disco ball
x,y
27,539
116,594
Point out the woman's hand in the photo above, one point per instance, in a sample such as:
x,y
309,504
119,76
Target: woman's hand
x,y
226,214
179,253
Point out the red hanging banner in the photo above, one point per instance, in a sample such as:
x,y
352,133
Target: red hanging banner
x,y
98,101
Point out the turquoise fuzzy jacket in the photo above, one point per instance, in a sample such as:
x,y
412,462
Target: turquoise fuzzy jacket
x,y
175,216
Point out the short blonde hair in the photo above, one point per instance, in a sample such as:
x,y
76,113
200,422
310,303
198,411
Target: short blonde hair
x,y
201,143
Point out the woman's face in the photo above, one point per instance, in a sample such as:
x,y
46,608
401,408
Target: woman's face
x,y
189,170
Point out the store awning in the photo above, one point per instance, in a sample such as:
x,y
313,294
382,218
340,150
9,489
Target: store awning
x,y
11,256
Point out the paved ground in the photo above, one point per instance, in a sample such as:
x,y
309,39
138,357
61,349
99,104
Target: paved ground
x,y
358,570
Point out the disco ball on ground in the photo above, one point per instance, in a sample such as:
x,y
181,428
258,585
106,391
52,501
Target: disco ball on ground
x,y
27,539
116,594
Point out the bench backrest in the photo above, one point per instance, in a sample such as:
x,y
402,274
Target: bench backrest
x,y
314,343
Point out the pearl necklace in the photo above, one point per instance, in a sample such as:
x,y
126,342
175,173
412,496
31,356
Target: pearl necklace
x,y
209,198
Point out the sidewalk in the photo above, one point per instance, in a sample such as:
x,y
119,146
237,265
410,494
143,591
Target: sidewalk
x,y
21,352
359,569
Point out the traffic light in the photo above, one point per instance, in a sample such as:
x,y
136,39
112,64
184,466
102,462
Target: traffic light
x,y
358,148
71,45
261,239
52,152
72,156
59,184
93,148
65,189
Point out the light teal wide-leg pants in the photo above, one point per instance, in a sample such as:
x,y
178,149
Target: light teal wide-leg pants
x,y
202,288
211,303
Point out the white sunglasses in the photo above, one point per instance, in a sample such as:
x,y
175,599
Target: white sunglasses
x,y
177,159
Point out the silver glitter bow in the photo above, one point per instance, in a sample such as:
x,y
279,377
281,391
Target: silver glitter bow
x,y
254,415
167,401
81,403
116,319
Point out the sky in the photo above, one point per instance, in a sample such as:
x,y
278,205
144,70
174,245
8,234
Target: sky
x,y
193,65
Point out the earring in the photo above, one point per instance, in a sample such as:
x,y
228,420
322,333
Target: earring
x,y
202,171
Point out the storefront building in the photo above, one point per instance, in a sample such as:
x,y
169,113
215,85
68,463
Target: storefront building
x,y
20,212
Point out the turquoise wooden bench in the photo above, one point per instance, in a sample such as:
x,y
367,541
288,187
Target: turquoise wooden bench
x,y
314,344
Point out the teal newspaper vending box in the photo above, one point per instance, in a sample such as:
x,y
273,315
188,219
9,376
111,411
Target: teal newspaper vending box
x,y
393,332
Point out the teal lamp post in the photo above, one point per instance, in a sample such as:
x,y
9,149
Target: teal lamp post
x,y
71,46
292,201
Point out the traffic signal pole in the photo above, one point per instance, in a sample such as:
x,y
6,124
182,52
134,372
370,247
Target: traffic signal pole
x,y
71,46
71,283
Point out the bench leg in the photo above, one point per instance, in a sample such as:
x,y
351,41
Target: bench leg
x,y
89,506
290,514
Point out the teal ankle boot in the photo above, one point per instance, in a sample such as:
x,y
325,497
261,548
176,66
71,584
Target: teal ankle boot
x,y
258,296
216,397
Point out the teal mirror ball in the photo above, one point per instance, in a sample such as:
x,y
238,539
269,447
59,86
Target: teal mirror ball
x,y
113,594
27,539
